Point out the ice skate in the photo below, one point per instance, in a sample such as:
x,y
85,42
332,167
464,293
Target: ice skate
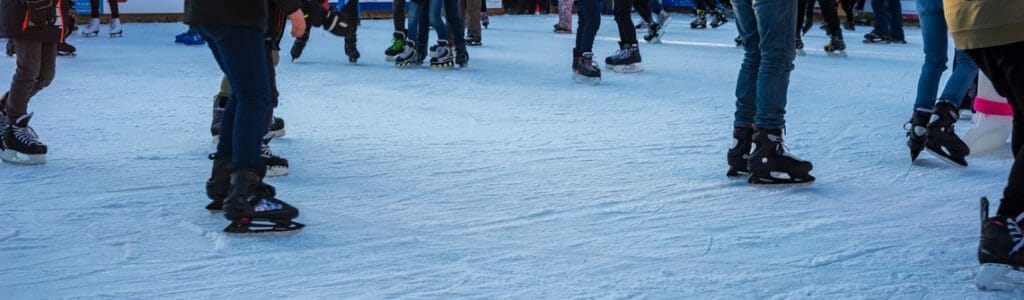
x,y
700,22
116,30
626,60
999,251
299,46
849,26
93,29
444,57
875,38
219,184
836,46
474,41
21,143
585,70
10,48
771,163
800,46
276,165
65,49
461,59
719,18
654,34
4,125
739,154
397,45
739,41
560,29
917,133
643,26
942,139
274,130
409,57
252,211
350,49
190,38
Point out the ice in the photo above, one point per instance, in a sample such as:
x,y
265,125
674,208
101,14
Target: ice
x,y
503,180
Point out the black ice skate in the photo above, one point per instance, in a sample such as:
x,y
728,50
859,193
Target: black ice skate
x,y
275,129
999,251
65,49
474,41
218,112
626,60
444,56
719,18
350,48
4,125
739,154
560,29
739,41
585,70
917,134
654,34
875,38
409,57
643,26
851,26
219,184
701,21
397,45
299,45
21,144
276,165
770,163
462,59
942,139
836,46
800,46
252,211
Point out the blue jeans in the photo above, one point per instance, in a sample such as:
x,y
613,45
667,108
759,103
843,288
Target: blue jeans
x,y
768,28
589,21
451,14
936,47
241,54
419,29
888,17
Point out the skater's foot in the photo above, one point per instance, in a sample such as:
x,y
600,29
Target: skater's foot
x,y
917,133
21,143
943,141
739,154
771,163
1000,251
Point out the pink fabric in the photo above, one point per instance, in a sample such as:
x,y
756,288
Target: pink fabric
x,y
990,107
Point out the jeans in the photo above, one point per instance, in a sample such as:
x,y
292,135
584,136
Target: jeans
x,y
36,67
936,47
767,28
1005,67
587,25
624,18
241,54
888,18
419,26
451,14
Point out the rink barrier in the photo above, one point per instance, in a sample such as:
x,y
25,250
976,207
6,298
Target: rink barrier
x,y
992,107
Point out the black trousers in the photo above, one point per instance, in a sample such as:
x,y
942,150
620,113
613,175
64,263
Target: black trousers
x,y
624,18
1004,65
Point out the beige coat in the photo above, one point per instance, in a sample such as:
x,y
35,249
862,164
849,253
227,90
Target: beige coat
x,y
985,23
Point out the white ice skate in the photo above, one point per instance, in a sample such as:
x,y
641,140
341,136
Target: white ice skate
x,y
630,68
93,29
994,277
115,27
991,125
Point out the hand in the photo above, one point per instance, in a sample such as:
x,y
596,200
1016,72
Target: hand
x,y
298,19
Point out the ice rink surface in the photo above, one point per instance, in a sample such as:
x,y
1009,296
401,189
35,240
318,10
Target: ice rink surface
x,y
503,180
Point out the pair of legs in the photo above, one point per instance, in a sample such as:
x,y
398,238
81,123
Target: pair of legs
x,y
95,5
624,19
888,18
36,66
589,22
828,12
767,28
1004,66
419,24
451,15
936,45
707,5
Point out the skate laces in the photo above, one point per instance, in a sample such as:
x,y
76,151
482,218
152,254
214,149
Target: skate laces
x,y
26,135
1016,234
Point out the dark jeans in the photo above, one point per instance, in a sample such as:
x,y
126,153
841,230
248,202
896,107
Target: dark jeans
x,y
624,18
587,25
241,54
398,15
828,13
706,5
767,28
36,66
1004,66
95,4
419,25
454,31
888,18
643,8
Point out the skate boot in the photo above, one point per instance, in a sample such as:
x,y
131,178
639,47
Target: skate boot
x,y
350,49
21,144
560,29
770,163
719,18
299,46
643,26
701,21
585,70
462,59
485,20
626,60
10,47
219,102
836,46
739,154
275,129
873,38
219,184
93,29
942,139
800,46
397,45
65,49
917,134
276,165
116,30
474,41
739,41
1000,251
654,34
443,57
252,211
664,18
409,57
849,25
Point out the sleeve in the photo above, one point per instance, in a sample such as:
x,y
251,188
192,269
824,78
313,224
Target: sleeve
x,y
288,6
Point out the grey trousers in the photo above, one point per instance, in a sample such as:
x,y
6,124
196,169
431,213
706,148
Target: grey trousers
x,y
37,63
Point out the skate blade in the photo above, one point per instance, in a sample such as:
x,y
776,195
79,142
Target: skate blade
x,y
276,171
993,278
260,229
946,159
273,134
733,172
16,157
116,35
838,53
390,58
442,67
578,78
776,179
630,68
406,65
90,34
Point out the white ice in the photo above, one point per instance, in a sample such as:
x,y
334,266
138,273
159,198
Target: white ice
x,y
504,180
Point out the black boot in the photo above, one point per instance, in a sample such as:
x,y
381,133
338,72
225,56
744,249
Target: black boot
x,y
917,134
585,70
1000,251
219,184
350,48
251,210
740,151
771,164
942,139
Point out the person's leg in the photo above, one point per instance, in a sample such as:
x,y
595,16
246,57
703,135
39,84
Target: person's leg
x,y
896,19
847,10
655,6
963,77
776,24
627,33
564,14
436,19
415,13
456,26
26,74
94,5
746,82
398,15
800,17
880,9
589,23
935,37
830,14
47,67
114,12
472,14
643,8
